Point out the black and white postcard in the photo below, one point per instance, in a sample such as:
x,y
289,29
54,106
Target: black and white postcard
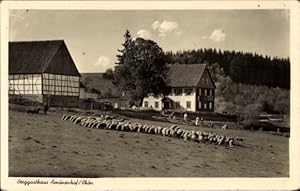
x,y
149,95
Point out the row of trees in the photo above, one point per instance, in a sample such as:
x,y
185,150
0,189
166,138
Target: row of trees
x,y
246,68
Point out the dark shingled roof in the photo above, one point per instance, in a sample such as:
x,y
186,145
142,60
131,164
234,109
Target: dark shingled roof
x,y
29,57
185,75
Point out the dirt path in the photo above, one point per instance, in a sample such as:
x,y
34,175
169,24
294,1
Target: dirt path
x,y
48,146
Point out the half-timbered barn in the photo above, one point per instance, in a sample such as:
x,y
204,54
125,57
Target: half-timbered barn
x,y
43,70
192,89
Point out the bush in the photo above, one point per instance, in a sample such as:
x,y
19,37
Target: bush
x,y
251,113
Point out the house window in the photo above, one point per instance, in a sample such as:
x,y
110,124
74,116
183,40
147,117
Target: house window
x,y
177,91
210,105
156,104
211,92
200,106
188,91
205,92
146,104
204,106
188,105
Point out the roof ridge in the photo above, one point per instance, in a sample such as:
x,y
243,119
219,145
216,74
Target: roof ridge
x,y
36,41
179,64
185,74
54,53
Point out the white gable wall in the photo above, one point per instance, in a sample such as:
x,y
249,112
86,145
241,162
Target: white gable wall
x,y
149,102
181,99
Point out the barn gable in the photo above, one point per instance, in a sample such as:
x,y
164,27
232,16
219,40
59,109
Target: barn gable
x,y
31,57
35,57
62,63
206,80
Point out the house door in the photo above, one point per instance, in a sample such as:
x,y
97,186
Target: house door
x,y
166,105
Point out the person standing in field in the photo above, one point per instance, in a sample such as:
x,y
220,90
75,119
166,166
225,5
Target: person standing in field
x,y
45,105
185,116
197,122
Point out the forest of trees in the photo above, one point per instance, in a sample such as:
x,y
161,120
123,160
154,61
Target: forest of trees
x,y
246,68
242,98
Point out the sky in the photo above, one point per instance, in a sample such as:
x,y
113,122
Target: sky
x,y
94,36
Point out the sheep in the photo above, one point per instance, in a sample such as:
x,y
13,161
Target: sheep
x,y
148,129
86,124
78,120
173,127
200,138
103,125
107,122
63,117
231,143
130,127
144,128
152,130
98,125
118,126
185,136
169,132
193,136
73,117
123,127
181,134
228,141
90,123
158,130
163,131
66,117
95,124
109,126
224,126
139,128
134,127
220,139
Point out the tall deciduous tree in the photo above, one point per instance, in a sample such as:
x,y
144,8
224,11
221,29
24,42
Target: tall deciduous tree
x,y
143,71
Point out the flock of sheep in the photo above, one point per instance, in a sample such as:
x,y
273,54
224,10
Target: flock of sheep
x,y
109,123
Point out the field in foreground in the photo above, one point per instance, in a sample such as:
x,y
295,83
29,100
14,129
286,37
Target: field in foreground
x,y
48,146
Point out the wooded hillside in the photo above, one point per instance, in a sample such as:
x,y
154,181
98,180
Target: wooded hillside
x,y
246,68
